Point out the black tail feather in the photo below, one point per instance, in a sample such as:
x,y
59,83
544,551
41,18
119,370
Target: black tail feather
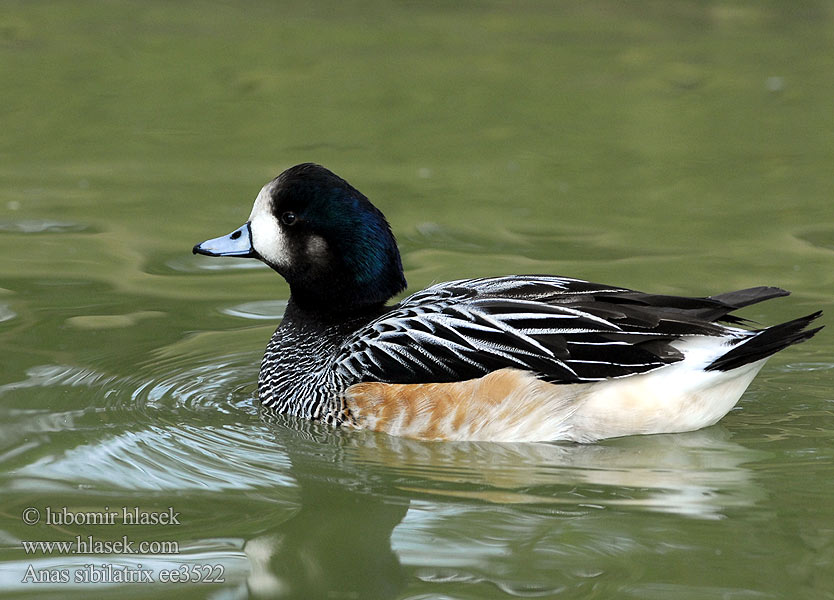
x,y
765,342
749,296
746,297
695,312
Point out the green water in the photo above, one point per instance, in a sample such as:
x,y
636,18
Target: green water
x,y
681,147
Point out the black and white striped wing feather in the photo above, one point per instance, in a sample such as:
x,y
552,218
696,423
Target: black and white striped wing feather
x,y
465,329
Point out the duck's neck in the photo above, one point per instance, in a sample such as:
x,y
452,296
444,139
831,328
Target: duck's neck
x,y
295,374
332,325
337,293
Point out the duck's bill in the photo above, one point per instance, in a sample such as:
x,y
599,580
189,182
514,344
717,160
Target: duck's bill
x,y
237,243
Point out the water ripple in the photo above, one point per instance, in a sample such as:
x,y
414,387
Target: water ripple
x,y
187,423
819,237
6,313
170,458
44,226
188,263
271,310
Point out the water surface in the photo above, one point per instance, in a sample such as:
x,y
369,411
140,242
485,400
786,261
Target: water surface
x,y
676,148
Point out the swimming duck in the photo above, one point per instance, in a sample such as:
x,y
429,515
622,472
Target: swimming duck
x,y
512,358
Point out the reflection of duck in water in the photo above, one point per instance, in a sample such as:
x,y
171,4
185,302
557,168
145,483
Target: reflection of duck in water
x,y
338,544
515,358
378,513
700,473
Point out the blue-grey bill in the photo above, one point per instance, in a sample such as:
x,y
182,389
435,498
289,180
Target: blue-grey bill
x,y
237,243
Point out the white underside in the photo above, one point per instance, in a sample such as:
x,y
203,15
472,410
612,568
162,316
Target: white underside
x,y
669,401
680,397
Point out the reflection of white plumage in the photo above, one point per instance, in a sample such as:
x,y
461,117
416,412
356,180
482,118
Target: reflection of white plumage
x,y
514,358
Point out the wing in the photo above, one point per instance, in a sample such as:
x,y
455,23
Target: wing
x,y
564,330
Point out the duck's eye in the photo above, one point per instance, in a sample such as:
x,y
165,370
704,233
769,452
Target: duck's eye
x,y
288,218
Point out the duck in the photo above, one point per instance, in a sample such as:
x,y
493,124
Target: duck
x,y
512,358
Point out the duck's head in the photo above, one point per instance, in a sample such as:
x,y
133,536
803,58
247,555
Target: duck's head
x,y
334,247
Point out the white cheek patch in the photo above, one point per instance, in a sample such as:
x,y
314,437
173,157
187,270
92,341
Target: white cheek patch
x,y
263,202
267,238
316,247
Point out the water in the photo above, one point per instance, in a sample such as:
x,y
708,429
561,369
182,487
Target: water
x,y
676,148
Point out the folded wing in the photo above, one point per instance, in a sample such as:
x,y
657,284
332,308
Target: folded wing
x,y
564,330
